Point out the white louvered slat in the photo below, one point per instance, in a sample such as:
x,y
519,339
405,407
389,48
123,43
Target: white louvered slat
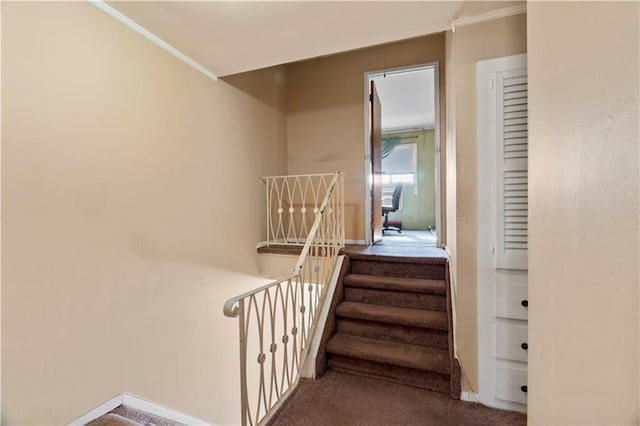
x,y
513,148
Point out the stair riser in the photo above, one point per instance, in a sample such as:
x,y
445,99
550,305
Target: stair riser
x,y
397,269
406,376
430,302
400,334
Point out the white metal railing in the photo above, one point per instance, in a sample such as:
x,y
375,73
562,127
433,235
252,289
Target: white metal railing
x,y
292,204
276,320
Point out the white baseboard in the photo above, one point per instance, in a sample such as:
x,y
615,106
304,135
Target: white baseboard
x,y
469,396
139,404
496,403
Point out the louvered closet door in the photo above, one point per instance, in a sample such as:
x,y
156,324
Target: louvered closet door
x,y
502,232
512,194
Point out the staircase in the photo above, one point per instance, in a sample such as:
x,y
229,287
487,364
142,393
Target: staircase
x,y
391,319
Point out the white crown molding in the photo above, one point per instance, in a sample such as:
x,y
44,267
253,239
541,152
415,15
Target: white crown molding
x,y
151,37
139,404
489,16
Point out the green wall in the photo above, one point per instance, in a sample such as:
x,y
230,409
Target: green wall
x,y
419,200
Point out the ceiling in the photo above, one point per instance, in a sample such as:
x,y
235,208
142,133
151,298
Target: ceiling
x,y
228,37
408,100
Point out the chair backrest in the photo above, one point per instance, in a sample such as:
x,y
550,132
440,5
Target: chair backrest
x,y
395,201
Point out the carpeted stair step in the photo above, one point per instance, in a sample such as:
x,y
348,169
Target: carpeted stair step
x,y
435,320
400,284
402,292
399,268
392,373
390,353
432,302
394,333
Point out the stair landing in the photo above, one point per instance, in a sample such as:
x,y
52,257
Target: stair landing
x,y
410,253
346,400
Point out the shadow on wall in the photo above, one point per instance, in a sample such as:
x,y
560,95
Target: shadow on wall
x,y
266,85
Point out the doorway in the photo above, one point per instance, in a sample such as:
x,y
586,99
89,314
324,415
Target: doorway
x,y
405,136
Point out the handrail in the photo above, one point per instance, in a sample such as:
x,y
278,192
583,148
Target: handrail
x,y
283,311
316,223
231,306
298,176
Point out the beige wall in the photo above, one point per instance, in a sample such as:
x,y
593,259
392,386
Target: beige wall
x,y
130,194
584,212
418,210
491,39
325,113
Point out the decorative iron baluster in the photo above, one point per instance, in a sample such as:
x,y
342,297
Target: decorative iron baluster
x,y
286,309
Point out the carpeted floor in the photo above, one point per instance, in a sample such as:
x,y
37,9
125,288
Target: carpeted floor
x,y
387,250
409,238
340,399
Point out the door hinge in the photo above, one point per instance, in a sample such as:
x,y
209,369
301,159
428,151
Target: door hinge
x,y
492,84
370,97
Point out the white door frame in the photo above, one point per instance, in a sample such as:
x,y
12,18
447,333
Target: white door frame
x,y
368,182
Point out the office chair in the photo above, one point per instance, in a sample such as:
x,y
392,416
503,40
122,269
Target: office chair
x,y
395,205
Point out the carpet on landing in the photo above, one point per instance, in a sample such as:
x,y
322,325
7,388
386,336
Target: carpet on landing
x,y
340,399
409,238
381,251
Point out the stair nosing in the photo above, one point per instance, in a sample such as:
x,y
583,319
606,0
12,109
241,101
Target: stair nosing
x,y
379,257
390,315
399,284
396,349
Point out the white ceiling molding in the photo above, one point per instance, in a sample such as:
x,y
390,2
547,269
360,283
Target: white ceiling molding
x,y
489,16
152,37
230,37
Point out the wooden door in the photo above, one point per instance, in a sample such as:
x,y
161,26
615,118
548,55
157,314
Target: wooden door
x,y
376,164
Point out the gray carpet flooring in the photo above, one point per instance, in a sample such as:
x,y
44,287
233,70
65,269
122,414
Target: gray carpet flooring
x,y
409,238
345,400
388,250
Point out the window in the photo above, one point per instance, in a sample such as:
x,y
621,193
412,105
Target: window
x,y
401,165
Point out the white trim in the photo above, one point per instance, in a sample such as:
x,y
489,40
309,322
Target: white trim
x,y
489,16
498,404
368,77
100,410
309,366
137,403
438,158
351,242
151,37
368,237
469,397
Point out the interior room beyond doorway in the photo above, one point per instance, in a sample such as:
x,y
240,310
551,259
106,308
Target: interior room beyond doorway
x,y
409,136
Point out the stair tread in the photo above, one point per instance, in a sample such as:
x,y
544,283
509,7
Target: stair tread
x,y
436,320
393,353
411,285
